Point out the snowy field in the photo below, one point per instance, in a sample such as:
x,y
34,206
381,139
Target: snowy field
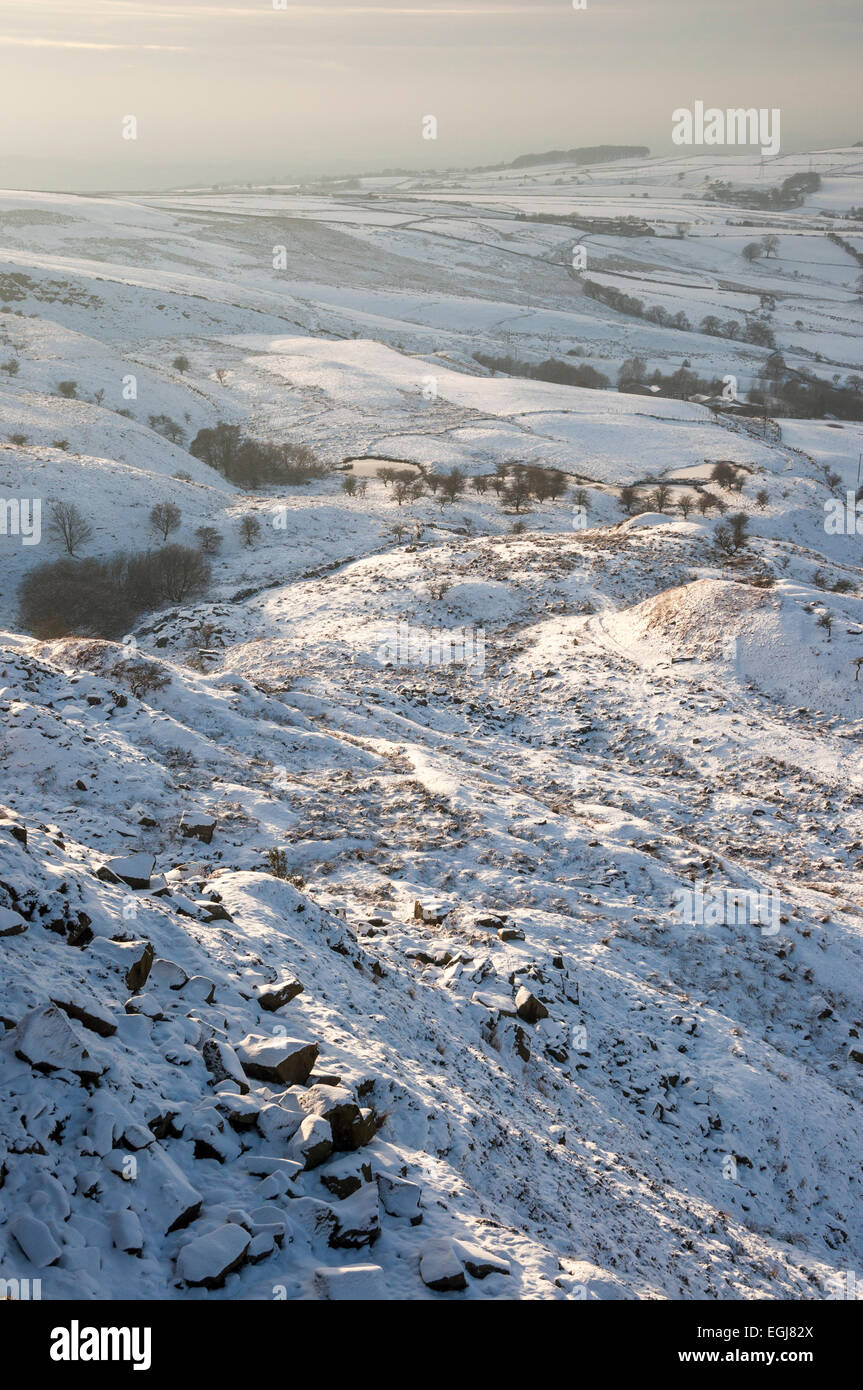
x,y
362,951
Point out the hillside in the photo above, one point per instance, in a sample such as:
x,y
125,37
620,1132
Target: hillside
x,y
341,942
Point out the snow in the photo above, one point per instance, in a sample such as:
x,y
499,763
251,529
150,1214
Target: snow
x,y
544,1081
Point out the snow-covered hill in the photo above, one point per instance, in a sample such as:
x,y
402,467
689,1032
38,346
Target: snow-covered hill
x,y
455,901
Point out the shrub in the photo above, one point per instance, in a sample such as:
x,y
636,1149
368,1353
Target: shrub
x,y
104,598
69,389
167,428
277,863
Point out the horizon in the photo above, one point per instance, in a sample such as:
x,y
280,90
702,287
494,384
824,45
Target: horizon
x,y
228,91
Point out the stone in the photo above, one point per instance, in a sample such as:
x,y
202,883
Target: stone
x,y
278,1123
223,1064
139,972
10,826
317,1219
206,1261
263,1165
179,1202
135,870
88,1012
495,1003
313,1143
126,1232
197,826
358,1220
399,1197
350,1284
345,1175
260,1246
285,1060
480,1263
212,912
275,998
45,1038
338,1107
144,1004
167,974
200,989
11,923
528,1007
34,1239
440,1267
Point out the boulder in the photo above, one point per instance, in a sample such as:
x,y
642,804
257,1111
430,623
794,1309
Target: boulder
x,y
345,1175
400,1198
495,1003
179,1203
34,1239
273,998
194,825
46,1039
223,1064
278,1123
18,831
337,1106
312,1144
440,1267
528,1007
350,1284
264,1165
317,1219
135,870
139,971
358,1220
167,974
283,1060
206,1261
479,1263
126,1232
11,923
200,989
87,1011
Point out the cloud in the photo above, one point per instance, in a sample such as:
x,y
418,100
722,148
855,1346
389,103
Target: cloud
x,y
14,41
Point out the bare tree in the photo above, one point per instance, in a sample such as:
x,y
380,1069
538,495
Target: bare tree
x,y
209,540
250,529
165,518
67,524
660,497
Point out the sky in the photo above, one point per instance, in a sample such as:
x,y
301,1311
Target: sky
x,y
264,90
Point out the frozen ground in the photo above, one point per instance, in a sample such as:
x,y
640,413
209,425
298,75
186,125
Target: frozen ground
x,y
508,1024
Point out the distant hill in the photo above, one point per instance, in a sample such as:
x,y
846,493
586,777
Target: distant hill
x,y
588,154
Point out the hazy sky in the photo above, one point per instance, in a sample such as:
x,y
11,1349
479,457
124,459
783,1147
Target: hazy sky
x,y
238,89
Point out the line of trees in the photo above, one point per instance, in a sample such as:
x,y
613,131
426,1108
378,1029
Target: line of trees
x,y
252,463
752,331
552,369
